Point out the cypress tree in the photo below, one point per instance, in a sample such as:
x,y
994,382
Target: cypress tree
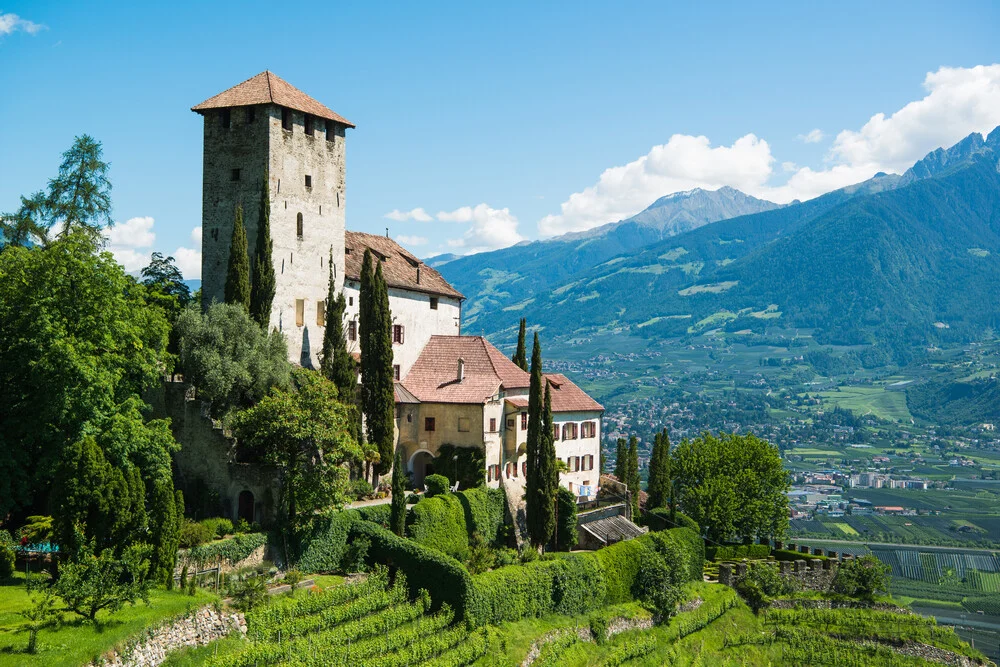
x,y
632,474
337,364
520,355
540,489
659,472
397,516
238,272
262,289
165,525
376,362
621,455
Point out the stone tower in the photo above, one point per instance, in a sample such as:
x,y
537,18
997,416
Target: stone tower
x,y
266,124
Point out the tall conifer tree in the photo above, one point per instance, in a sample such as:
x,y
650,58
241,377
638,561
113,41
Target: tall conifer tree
x,y
397,515
378,395
520,354
336,363
621,455
540,491
659,472
263,285
632,474
238,272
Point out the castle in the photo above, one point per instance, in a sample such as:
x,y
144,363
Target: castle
x,y
450,389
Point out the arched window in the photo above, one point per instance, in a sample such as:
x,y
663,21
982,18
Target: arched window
x,y
298,225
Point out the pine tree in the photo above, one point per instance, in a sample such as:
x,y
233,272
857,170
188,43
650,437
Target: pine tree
x,y
262,289
540,488
632,474
397,516
376,362
659,472
520,355
238,273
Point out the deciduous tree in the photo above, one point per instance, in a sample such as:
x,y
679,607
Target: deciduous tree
x,y
94,583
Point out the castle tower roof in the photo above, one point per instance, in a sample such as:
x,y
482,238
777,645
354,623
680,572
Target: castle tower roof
x,y
269,88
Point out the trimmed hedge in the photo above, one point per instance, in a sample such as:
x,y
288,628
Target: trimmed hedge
x,y
323,549
659,519
439,523
734,551
447,581
484,513
376,513
621,563
696,549
436,485
233,549
785,554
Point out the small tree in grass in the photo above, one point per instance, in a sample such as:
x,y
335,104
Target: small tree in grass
x,y
41,614
95,583
863,578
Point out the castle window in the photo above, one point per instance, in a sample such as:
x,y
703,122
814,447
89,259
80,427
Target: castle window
x,y
428,423
397,334
300,312
309,125
350,301
309,181
463,424
224,118
286,119
235,175
434,303
331,130
251,113
352,330
395,372
321,313
298,225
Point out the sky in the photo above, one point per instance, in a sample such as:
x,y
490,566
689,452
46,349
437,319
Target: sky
x,y
480,125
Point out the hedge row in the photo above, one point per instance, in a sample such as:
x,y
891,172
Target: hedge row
x,y
442,576
659,519
439,523
323,549
733,551
233,549
376,513
578,583
484,513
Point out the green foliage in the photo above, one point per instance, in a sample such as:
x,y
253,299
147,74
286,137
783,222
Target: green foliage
x,y
621,563
325,542
250,593
230,360
621,459
307,434
521,353
659,586
542,481
8,554
397,520
439,522
468,470
380,514
738,551
658,488
360,489
565,533
336,362
436,485
377,388
484,513
94,583
733,486
165,531
631,471
220,526
237,289
80,346
194,533
863,577
263,285
232,549
760,583
660,519
442,576
42,613
165,288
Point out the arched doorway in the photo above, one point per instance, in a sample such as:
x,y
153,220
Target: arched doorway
x,y
421,466
245,506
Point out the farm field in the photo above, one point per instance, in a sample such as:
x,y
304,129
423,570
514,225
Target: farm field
x,y
879,401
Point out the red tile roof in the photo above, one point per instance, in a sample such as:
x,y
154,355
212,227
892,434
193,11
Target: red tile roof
x,y
566,397
400,268
433,378
268,88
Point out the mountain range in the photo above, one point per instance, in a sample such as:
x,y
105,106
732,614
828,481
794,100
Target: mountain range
x,y
906,261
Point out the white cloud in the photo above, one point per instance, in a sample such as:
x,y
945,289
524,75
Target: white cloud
x,y
133,233
188,260
196,236
789,166
418,214
683,163
10,23
490,228
411,240
959,101
812,136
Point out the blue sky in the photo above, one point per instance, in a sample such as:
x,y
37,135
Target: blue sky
x,y
482,124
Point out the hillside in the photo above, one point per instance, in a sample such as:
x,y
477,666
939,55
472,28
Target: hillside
x,y
907,260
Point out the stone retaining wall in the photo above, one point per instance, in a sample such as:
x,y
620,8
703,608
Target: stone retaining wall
x,y
814,575
195,629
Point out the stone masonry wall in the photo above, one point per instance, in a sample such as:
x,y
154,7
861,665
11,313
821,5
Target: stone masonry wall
x,y
813,575
196,629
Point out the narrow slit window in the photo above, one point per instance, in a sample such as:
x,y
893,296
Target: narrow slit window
x,y
310,126
352,331
395,372
428,423
309,181
234,175
331,130
286,119
298,225
434,303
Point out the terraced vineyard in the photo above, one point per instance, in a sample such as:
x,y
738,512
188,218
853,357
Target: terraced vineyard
x,y
368,624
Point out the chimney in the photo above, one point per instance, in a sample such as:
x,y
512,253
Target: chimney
x,y
418,274
461,369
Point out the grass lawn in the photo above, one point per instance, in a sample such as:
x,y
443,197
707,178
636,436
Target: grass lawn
x,y
197,656
76,642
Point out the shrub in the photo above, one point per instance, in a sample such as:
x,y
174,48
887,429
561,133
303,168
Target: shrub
x,y
484,513
233,549
439,523
436,485
8,553
250,593
760,583
659,519
695,549
659,586
361,489
442,576
621,564
293,577
863,577
376,514
470,468
194,534
243,526
356,555
481,557
324,546
565,534
736,551
218,526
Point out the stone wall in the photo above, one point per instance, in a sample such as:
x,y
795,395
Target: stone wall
x,y
195,629
813,575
